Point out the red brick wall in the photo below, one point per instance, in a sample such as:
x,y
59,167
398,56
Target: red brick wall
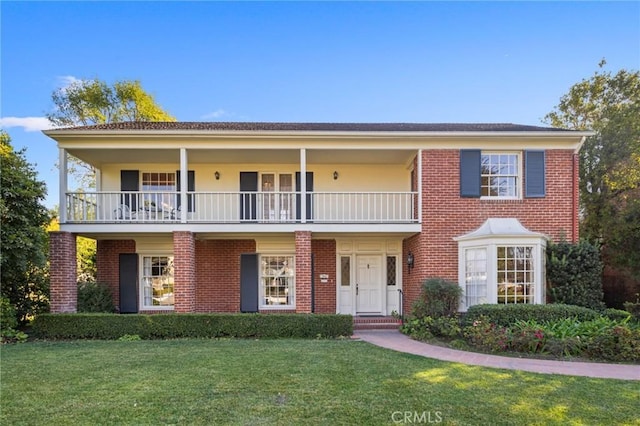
x,y
446,215
63,272
324,252
107,263
218,274
184,274
303,271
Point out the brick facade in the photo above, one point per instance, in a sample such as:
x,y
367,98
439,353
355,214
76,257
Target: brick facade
x,y
324,252
446,215
184,273
63,272
218,274
303,271
108,263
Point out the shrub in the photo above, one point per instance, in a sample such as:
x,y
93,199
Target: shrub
x,y
616,314
633,308
438,298
163,326
95,297
426,328
621,344
574,274
9,323
507,315
485,335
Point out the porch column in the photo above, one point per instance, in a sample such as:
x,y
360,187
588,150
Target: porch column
x,y
63,272
303,185
419,186
303,271
184,181
62,181
184,272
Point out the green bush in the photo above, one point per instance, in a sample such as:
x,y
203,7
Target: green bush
x,y
620,344
438,298
574,274
426,328
95,297
616,314
9,323
634,309
165,326
507,315
487,336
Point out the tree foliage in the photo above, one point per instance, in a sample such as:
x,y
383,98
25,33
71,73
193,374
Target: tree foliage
x,y
90,102
608,104
574,274
24,240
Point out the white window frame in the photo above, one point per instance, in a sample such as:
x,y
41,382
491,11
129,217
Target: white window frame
x,y
165,200
264,274
519,175
491,244
141,283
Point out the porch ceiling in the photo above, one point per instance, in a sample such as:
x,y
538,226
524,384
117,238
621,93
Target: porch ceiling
x,y
98,157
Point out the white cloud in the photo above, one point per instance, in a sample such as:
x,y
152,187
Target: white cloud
x,y
67,80
29,124
216,114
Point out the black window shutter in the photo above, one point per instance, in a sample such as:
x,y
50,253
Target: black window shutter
x,y
248,183
249,282
191,186
129,181
534,168
128,270
470,173
309,188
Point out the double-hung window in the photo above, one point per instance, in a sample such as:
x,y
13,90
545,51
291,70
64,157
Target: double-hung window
x,y
500,175
157,282
277,281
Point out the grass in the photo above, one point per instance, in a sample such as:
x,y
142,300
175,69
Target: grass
x,y
264,382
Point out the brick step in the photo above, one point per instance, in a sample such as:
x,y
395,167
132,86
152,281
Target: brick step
x,y
376,323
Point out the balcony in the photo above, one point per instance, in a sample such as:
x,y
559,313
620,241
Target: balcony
x,y
122,207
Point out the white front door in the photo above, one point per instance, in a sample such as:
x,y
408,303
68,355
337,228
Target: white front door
x,y
369,284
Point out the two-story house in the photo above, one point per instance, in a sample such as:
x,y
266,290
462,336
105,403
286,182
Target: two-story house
x,y
314,217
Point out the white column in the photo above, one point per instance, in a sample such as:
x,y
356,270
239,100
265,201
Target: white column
x,y
98,180
63,184
184,181
419,177
303,185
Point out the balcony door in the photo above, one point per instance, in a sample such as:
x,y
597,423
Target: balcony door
x,y
277,198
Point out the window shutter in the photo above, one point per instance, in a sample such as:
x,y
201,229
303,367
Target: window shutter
x,y
129,181
128,283
309,185
248,183
249,282
191,186
470,173
534,167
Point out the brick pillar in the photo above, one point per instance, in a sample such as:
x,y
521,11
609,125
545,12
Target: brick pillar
x,y
184,273
303,271
63,272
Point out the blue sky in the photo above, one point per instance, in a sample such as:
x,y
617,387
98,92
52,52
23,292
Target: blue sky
x,y
309,61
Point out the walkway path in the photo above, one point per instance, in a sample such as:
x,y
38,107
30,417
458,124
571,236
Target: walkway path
x,y
393,339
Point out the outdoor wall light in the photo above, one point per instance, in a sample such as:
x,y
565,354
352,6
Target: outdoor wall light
x,y
335,175
217,175
410,261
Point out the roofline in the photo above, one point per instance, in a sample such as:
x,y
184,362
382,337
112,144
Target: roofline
x,y
313,133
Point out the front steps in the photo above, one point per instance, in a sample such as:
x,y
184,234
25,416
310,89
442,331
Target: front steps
x,y
376,323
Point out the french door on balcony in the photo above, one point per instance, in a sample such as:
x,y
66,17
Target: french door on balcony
x,y
277,200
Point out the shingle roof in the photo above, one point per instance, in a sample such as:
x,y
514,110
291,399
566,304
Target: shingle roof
x,y
322,127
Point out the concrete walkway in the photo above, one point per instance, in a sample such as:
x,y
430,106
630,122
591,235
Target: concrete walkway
x,y
393,339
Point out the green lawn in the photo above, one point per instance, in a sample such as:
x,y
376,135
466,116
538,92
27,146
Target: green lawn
x,y
286,382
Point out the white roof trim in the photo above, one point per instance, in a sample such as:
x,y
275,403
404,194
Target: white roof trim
x,y
500,227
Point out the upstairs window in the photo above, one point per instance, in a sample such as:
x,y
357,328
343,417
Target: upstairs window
x,y
500,175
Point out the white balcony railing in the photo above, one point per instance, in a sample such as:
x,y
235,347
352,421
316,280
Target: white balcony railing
x,y
241,207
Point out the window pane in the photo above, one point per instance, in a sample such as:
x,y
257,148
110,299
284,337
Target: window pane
x,y
277,281
157,281
515,274
391,270
345,271
499,175
475,276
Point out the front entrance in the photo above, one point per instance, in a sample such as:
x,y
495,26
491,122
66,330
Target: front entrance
x,y
369,284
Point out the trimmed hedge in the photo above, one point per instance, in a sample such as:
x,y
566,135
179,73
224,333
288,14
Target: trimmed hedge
x,y
507,315
169,326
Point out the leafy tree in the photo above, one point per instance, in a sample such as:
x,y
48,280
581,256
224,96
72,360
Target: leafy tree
x,y
609,104
24,240
90,102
